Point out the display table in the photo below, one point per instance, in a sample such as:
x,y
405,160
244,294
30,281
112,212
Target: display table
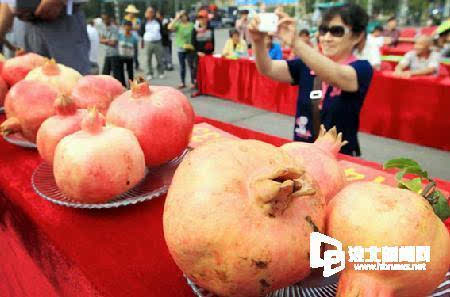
x,y
53,251
391,106
239,81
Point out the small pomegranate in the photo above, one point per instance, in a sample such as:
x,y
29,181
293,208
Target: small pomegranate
x,y
320,160
58,76
16,69
98,163
161,118
66,121
27,105
96,91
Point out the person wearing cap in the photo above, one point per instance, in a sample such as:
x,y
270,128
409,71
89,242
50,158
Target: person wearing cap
x,y
54,29
131,13
242,26
150,31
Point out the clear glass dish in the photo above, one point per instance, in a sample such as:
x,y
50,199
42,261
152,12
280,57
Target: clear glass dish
x,y
19,140
155,183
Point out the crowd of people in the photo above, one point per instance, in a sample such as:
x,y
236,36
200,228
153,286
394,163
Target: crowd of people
x,y
338,60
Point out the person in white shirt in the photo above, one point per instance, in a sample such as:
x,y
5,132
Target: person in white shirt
x,y
94,38
370,48
151,33
420,61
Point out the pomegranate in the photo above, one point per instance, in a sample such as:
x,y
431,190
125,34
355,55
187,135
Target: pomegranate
x,y
98,163
238,216
27,105
320,160
161,118
58,76
371,214
15,69
66,121
3,90
96,90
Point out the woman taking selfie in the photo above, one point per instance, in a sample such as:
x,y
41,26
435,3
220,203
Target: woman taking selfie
x,y
344,79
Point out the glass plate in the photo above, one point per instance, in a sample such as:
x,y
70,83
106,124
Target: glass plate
x,y
318,286
155,183
19,140
314,286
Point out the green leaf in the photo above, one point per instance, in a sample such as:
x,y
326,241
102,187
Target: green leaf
x,y
400,163
414,185
441,208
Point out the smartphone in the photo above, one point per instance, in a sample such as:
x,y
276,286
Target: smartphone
x,y
268,22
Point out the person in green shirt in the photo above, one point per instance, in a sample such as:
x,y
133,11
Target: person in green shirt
x,y
183,42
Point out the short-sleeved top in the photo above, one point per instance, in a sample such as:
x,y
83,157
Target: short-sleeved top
x,y
152,30
127,45
339,108
414,62
183,35
275,52
111,33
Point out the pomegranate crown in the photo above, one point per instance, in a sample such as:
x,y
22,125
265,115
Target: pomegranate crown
x,y
64,105
93,121
330,141
50,67
139,88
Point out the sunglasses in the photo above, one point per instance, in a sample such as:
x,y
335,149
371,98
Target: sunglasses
x,y
335,31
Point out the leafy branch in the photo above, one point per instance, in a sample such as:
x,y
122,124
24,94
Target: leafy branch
x,y
435,197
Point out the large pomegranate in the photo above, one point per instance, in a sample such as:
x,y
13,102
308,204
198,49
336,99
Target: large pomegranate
x,y
58,76
370,214
161,118
66,121
98,163
15,69
3,91
96,90
238,216
320,160
27,105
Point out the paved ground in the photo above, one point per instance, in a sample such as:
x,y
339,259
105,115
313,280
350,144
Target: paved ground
x,y
374,148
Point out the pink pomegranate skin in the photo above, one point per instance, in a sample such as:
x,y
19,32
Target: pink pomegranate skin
x,y
66,121
16,69
96,91
320,160
98,163
27,105
371,214
161,118
238,216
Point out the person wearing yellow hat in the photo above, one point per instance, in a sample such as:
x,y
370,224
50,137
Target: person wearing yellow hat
x,y
442,36
131,15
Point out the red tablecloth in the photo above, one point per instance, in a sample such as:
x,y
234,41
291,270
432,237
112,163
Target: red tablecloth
x,y
406,109
49,250
239,81
411,110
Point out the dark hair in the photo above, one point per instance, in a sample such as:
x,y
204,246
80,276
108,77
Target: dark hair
x,y
393,18
352,15
128,23
244,11
303,32
232,32
377,28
